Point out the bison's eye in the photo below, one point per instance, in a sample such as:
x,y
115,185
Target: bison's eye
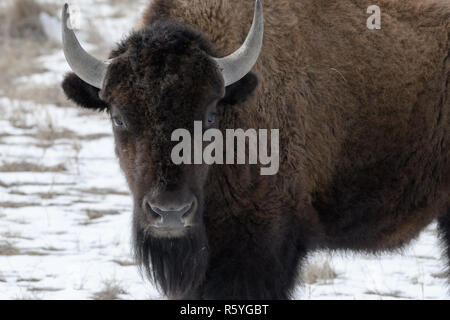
x,y
211,115
211,119
118,122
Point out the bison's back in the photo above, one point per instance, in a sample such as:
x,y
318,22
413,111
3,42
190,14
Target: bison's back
x,y
364,114
391,174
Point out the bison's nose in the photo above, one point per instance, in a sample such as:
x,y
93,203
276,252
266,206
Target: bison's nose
x,y
169,216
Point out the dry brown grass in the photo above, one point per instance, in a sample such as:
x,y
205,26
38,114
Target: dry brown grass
x,y
97,214
14,235
48,135
28,280
22,40
124,263
41,184
317,272
49,195
21,20
44,289
94,136
18,193
17,205
387,294
102,191
17,61
22,37
42,195
111,291
51,134
441,275
19,118
31,167
9,249
4,135
42,95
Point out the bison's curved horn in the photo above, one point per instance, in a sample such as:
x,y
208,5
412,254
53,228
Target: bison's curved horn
x,y
235,66
88,68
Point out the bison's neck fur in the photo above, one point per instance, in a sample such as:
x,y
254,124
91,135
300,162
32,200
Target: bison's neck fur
x,y
176,266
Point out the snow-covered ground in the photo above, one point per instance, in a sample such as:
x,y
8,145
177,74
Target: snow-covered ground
x,y
65,211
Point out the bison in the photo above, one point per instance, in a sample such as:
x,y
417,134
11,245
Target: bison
x,y
363,118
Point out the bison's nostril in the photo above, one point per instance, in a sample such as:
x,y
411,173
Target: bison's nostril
x,y
154,216
169,216
162,211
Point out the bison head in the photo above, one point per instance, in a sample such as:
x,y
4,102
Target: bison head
x,y
162,78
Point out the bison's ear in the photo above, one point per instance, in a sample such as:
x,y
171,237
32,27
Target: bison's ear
x,y
241,90
82,94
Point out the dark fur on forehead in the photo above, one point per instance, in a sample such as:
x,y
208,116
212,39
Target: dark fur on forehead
x,y
168,35
176,58
165,59
164,48
162,72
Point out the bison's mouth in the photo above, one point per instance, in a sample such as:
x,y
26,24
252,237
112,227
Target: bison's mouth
x,y
169,233
176,259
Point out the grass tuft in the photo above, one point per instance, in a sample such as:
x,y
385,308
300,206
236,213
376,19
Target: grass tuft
x,y
31,167
8,249
97,214
318,272
111,291
21,20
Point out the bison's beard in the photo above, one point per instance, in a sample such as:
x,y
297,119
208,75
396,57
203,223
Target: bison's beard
x,y
177,266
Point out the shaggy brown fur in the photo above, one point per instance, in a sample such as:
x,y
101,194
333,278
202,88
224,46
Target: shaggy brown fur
x,y
364,118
